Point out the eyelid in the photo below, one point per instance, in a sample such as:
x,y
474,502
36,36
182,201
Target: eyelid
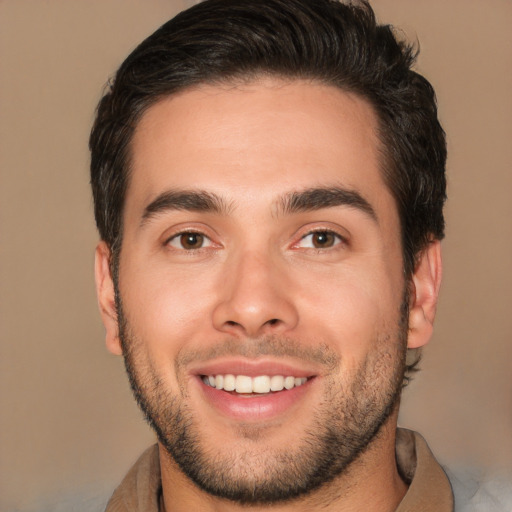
x,y
177,232
177,237
342,239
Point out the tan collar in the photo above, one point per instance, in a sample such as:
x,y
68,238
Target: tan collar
x,y
429,487
141,488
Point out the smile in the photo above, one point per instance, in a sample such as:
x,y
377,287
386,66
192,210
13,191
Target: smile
x,y
259,385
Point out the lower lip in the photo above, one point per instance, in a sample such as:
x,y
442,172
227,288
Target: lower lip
x,y
256,407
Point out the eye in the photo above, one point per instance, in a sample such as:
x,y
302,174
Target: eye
x,y
189,241
320,240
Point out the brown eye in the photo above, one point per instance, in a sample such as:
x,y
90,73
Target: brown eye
x,y
189,241
323,239
320,240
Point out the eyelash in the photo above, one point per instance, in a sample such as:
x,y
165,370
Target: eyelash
x,y
339,239
189,232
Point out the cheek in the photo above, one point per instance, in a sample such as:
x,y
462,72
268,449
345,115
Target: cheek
x,y
167,308
348,307
351,310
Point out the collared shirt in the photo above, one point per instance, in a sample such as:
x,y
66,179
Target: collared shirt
x,y
429,488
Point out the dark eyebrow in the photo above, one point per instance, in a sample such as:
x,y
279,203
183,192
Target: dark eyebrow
x,y
189,200
318,198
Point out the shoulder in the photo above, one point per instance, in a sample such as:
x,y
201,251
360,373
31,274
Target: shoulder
x,y
478,491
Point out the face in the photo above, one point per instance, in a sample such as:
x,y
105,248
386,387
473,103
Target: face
x,y
261,291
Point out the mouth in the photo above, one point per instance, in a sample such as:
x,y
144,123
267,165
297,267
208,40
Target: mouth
x,y
253,391
247,386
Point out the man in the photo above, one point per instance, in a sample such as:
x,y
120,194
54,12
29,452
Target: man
x,y
268,180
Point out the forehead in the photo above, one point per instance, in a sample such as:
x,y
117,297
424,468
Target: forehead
x,y
254,140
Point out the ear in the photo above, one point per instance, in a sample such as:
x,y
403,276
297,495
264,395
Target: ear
x,y
106,298
426,282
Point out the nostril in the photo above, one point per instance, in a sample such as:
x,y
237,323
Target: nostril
x,y
274,321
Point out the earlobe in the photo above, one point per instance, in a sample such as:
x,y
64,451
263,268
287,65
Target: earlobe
x,y
106,298
426,282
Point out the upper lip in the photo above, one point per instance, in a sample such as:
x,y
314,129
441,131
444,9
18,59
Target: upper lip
x,y
253,367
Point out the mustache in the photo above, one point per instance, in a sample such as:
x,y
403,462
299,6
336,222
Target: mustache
x,y
275,346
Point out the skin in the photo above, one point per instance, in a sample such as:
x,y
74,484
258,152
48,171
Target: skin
x,y
258,275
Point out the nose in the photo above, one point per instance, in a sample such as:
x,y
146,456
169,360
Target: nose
x,y
257,298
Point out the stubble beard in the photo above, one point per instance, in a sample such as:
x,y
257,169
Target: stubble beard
x,y
345,422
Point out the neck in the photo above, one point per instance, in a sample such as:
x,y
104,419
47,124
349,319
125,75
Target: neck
x,y
370,484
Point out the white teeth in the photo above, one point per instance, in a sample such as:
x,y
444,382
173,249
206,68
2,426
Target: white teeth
x,y
289,382
276,383
219,381
243,384
261,384
229,382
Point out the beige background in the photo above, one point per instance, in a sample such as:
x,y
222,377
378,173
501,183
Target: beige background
x,y
68,423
